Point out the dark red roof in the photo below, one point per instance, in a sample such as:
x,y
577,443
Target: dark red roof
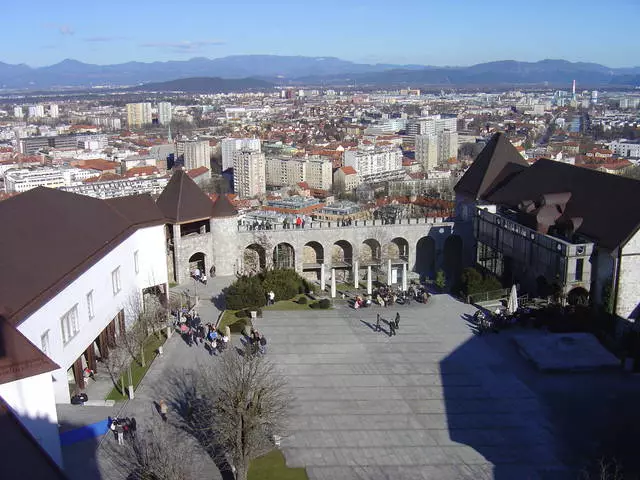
x,y
182,200
138,209
223,208
51,237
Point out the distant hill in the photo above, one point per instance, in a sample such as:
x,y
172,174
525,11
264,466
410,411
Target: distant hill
x,y
295,70
205,85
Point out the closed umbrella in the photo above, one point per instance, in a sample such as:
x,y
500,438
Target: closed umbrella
x,y
512,303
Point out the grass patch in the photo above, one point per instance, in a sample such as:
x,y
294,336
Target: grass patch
x,y
138,372
347,287
235,324
289,304
272,466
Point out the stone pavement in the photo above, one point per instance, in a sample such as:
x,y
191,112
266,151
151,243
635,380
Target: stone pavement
x,y
90,460
433,402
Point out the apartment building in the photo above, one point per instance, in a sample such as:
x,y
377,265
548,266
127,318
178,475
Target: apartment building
x,y
626,148
194,153
229,146
426,150
139,114
345,179
284,172
164,113
373,162
249,173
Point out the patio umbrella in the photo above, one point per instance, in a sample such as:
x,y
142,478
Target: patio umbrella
x,y
512,303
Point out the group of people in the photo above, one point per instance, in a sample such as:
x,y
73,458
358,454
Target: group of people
x,y
394,325
201,276
361,302
194,332
257,342
123,428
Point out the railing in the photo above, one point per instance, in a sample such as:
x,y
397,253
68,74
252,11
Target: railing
x,y
338,225
479,298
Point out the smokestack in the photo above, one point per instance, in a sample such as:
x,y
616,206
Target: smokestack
x,y
573,90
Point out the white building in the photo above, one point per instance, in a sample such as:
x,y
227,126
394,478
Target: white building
x,y
370,161
139,114
284,172
71,265
426,150
447,146
164,113
23,179
194,153
228,147
625,148
18,112
36,111
249,177
54,112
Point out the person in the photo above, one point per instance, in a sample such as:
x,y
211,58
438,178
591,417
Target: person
x,y
203,278
263,344
272,297
196,274
118,430
213,347
212,271
397,321
378,323
392,328
223,343
163,409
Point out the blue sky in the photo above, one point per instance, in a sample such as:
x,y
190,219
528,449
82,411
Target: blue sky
x,y
445,32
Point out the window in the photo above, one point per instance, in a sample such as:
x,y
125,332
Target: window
x,y
44,341
69,324
136,264
115,281
579,269
90,305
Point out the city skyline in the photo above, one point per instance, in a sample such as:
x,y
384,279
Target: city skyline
x,y
459,33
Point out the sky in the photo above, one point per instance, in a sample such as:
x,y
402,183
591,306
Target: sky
x,y
427,32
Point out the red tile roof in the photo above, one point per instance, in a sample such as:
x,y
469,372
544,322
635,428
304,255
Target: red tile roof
x,y
141,171
348,171
196,172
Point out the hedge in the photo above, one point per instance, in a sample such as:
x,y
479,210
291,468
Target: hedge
x,y
250,292
245,292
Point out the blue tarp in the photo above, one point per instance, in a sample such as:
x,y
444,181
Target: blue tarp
x,y
83,433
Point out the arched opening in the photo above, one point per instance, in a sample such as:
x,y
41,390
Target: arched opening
x,y
284,256
254,259
341,253
196,261
452,259
312,254
426,258
370,252
578,297
397,250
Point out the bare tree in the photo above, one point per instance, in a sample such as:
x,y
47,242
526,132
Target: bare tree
x,y
149,316
158,452
117,363
239,408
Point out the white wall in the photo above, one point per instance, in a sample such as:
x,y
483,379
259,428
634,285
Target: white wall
x,y
150,243
32,399
629,278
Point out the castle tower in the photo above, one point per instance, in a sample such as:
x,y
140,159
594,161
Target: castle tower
x,y
224,229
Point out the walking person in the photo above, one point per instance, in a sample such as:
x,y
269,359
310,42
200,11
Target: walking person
x,y
163,409
203,278
392,328
378,323
397,321
262,344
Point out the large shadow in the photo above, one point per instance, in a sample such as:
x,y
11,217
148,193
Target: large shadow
x,y
531,424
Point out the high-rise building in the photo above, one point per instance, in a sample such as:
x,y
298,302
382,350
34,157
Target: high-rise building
x,y
229,146
164,113
36,111
288,172
17,112
138,114
447,147
194,153
427,151
53,111
249,173
374,163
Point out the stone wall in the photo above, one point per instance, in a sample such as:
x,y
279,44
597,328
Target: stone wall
x,y
628,301
185,247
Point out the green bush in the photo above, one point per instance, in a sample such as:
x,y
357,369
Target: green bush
x,y
472,282
245,292
285,283
302,300
323,304
242,314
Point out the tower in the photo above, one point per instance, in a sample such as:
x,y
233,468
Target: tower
x,y
573,91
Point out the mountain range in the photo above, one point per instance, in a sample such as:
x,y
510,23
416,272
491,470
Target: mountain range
x,y
297,70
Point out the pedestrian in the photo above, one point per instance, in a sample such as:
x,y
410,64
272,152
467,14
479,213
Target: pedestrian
x,y
263,344
397,321
392,328
163,409
213,347
378,323
203,278
196,274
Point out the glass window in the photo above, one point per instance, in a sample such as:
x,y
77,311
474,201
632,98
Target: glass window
x,y
579,269
90,304
69,324
115,281
136,263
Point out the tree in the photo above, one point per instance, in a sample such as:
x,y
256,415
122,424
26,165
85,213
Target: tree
x,y
157,453
238,407
117,363
149,316
440,280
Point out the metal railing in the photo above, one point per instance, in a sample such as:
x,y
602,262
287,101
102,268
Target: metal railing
x,y
479,298
315,225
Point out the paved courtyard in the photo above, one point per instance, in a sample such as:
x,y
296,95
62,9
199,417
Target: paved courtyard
x,y
432,402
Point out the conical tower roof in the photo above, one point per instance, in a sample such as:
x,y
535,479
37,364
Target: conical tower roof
x,y
497,161
183,201
223,207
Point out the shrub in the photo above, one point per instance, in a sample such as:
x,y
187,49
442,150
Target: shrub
x,y
440,280
323,304
302,300
285,283
242,314
245,292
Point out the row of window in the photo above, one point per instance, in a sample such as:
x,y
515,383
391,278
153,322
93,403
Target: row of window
x,y
69,322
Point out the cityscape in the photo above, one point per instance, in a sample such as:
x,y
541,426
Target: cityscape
x,y
317,263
